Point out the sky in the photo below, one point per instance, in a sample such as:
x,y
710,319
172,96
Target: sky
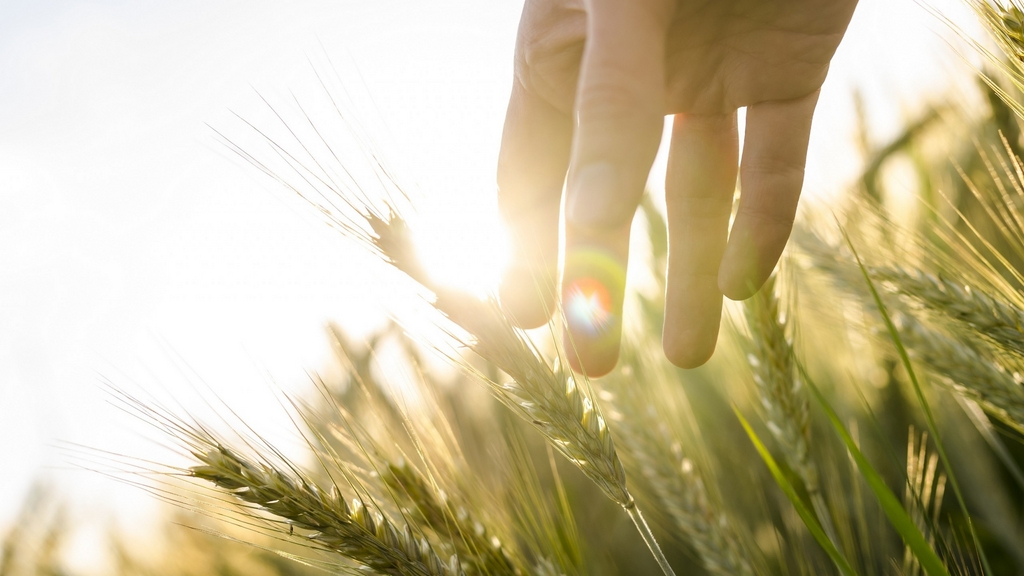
x,y
136,249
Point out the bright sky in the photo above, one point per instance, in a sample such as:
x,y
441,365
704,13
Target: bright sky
x,y
132,243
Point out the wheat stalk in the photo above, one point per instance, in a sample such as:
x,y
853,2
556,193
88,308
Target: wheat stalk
x,y
548,397
687,500
352,530
1005,23
561,408
642,393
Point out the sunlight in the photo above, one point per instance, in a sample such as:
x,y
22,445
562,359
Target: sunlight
x,y
141,251
466,248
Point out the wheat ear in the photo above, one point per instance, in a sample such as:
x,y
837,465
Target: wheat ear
x,y
923,493
687,500
999,321
352,530
786,405
958,364
646,401
550,397
968,372
480,551
680,488
546,396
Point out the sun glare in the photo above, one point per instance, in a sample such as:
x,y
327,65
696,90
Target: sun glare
x,y
467,249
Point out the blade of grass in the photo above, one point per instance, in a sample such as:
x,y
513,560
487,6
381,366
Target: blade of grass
x,y
890,452
890,504
925,407
801,508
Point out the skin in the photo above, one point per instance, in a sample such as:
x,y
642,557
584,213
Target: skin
x,y
593,82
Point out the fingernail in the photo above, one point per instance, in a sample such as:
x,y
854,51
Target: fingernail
x,y
595,196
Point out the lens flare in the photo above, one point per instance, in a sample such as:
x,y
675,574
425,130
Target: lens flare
x,y
592,295
588,306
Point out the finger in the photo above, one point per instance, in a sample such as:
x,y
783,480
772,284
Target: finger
x,y
771,175
532,163
620,114
699,188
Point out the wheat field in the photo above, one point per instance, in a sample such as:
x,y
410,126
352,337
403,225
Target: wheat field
x,y
864,414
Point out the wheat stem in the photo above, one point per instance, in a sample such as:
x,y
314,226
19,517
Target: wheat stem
x,y
652,544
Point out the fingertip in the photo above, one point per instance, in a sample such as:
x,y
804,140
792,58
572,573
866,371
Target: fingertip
x,y
593,289
688,350
737,284
742,291
699,187
588,360
690,334
532,163
771,179
747,264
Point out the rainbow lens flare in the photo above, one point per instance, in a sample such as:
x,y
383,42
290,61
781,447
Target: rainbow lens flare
x,y
588,307
592,296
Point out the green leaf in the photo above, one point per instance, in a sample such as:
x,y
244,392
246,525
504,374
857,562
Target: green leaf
x,y
805,513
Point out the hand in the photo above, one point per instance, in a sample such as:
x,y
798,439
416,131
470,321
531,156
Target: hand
x,y
594,80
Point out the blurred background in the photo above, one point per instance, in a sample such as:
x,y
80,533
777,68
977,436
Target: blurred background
x,y
136,248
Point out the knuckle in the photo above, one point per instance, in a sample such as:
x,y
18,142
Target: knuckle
x,y
700,207
518,209
770,219
548,51
616,122
710,126
777,171
617,94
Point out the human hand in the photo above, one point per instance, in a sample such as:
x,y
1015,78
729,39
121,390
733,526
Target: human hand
x,y
593,82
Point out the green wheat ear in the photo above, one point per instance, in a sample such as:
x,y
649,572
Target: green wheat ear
x,y
481,552
350,529
782,394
